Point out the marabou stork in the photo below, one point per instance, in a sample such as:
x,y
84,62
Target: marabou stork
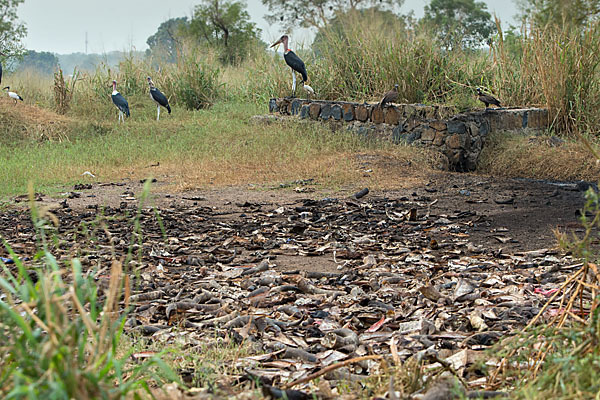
x,y
487,99
13,95
390,96
159,98
119,101
296,64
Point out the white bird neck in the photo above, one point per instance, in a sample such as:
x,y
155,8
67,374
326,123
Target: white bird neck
x,y
114,92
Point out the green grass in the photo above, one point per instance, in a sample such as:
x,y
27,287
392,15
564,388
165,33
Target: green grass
x,y
218,145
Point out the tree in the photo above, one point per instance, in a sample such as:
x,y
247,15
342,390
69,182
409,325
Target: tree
x,y
387,21
225,25
11,30
43,62
463,23
318,13
564,13
166,41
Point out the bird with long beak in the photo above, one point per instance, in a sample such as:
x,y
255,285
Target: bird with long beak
x,y
12,95
120,102
296,64
159,98
389,97
487,99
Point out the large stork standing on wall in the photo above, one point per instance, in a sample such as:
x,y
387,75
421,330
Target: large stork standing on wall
x,y
159,98
296,64
12,95
119,101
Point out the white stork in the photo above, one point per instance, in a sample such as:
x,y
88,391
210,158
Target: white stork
x,y
120,102
159,98
12,95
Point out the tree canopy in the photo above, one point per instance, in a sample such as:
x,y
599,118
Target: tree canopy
x,y
564,13
465,23
11,30
44,62
387,21
225,25
318,13
165,42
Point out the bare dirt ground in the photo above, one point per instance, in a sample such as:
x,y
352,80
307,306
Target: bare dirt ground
x,y
510,214
311,277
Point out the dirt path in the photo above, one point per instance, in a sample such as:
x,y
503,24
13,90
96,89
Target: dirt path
x,y
515,215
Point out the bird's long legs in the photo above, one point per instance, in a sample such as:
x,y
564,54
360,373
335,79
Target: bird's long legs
x,y
121,116
157,113
293,84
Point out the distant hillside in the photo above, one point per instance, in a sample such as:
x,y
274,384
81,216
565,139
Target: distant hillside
x,y
88,62
45,63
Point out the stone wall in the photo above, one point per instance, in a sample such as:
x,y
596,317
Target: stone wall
x,y
459,137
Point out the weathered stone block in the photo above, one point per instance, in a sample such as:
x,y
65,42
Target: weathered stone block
x,y
273,107
473,129
456,127
456,141
295,107
362,113
348,111
537,119
283,105
409,111
391,116
377,115
438,125
305,111
397,133
484,129
439,138
315,110
428,134
336,112
325,111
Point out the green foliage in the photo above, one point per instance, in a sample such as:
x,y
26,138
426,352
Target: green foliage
x,y
362,58
11,30
61,334
196,83
561,13
459,23
43,62
388,23
319,13
165,44
224,25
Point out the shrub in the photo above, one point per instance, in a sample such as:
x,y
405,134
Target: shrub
x,y
61,335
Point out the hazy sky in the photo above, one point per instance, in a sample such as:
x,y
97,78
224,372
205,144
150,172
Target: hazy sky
x,y
60,26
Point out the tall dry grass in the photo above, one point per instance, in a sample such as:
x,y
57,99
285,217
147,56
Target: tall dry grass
x,y
556,68
360,59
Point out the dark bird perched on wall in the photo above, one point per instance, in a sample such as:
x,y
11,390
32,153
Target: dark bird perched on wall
x,y
390,96
119,101
159,98
296,64
12,95
487,99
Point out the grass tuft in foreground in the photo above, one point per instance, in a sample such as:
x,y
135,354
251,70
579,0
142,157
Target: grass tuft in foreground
x,y
61,334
